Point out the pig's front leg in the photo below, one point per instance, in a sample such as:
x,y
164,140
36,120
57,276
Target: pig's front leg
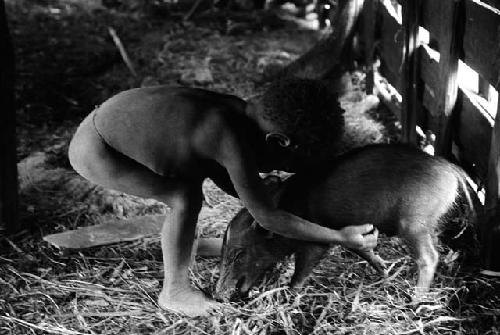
x,y
373,259
306,258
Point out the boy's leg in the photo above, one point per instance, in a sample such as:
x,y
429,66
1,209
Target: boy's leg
x,y
177,238
100,164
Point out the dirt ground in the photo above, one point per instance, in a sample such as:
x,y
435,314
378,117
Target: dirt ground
x,y
67,63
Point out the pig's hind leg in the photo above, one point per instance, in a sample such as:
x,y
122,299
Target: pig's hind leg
x,y
373,259
422,243
306,258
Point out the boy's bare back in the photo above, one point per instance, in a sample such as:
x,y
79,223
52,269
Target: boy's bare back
x,y
169,129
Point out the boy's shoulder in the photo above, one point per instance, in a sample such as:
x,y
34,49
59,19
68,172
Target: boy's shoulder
x,y
185,93
173,101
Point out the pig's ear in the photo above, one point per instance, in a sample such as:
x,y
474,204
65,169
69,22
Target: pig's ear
x,y
266,233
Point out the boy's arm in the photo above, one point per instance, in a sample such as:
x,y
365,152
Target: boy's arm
x,y
239,160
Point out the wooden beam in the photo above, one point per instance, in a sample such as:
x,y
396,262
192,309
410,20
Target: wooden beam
x,y
492,3
391,44
491,223
411,104
474,125
8,167
450,45
481,39
473,133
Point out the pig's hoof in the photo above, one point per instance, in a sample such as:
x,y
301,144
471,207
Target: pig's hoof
x,y
189,302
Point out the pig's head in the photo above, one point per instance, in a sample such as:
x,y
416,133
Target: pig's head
x,y
248,251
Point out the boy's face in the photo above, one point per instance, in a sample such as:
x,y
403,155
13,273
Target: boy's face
x,y
277,157
280,151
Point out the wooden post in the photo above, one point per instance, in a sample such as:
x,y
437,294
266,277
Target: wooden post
x,y
327,53
491,221
450,37
369,37
411,23
8,167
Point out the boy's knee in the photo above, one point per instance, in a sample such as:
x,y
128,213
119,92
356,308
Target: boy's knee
x,y
83,153
76,154
186,199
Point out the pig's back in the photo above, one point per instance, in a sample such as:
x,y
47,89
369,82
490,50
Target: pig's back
x,y
377,184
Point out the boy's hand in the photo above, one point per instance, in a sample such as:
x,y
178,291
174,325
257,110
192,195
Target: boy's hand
x,y
359,237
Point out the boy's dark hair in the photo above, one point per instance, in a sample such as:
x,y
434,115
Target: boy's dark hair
x,y
308,112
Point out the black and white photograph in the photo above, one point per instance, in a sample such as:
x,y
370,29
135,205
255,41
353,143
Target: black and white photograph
x,y
249,167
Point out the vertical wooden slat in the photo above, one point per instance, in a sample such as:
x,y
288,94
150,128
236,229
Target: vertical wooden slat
x,y
452,14
8,167
491,222
411,18
369,37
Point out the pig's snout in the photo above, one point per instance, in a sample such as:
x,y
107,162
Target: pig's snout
x,y
243,285
235,288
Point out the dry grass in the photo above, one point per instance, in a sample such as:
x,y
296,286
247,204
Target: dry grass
x,y
113,289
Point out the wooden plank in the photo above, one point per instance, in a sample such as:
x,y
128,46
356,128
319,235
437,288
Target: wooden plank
x,y
429,102
492,3
391,44
429,62
450,42
411,104
482,41
473,133
431,15
473,126
111,231
491,220
8,167
429,73
124,230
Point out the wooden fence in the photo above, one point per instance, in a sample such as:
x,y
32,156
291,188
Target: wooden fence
x,y
425,72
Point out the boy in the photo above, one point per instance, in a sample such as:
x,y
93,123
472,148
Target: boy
x,y
162,142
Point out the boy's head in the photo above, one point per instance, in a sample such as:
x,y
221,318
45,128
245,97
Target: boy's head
x,y
302,119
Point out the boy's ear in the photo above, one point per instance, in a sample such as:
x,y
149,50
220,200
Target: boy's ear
x,y
283,140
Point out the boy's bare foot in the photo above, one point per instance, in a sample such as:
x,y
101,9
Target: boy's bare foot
x,y
187,301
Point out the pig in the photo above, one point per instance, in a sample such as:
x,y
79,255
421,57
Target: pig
x,y
399,189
